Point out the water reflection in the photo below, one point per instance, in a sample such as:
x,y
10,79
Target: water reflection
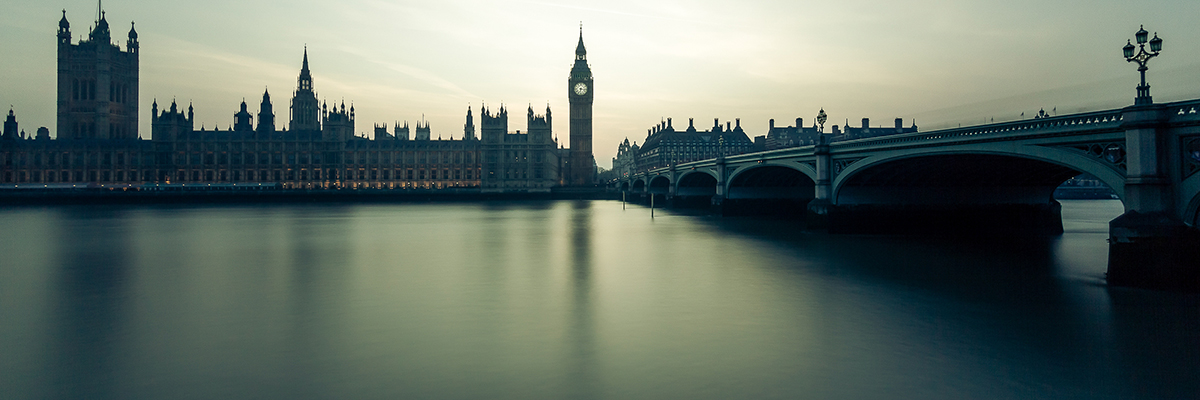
x,y
1158,342
92,305
565,300
581,356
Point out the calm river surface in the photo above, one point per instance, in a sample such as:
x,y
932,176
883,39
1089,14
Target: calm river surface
x,y
566,300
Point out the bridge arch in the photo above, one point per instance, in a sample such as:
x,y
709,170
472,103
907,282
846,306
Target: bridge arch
x,y
965,188
660,183
1049,168
639,185
773,188
695,189
659,189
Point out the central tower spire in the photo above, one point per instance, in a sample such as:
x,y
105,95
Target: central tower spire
x,y
305,113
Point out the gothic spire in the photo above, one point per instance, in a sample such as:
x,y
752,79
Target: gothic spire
x,y
304,82
305,67
580,51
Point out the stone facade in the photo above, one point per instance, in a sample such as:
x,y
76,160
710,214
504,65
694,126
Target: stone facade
x,y
318,149
97,84
665,146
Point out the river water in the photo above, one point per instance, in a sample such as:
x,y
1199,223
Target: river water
x,y
558,300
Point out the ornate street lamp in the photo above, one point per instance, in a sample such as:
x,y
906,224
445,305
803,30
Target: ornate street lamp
x,y
1142,56
821,121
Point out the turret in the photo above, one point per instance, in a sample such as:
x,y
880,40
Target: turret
x,y
171,124
101,33
64,30
401,132
243,121
132,43
266,115
422,131
381,132
10,126
469,127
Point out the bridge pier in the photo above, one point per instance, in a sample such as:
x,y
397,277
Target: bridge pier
x,y
1153,251
1149,245
817,212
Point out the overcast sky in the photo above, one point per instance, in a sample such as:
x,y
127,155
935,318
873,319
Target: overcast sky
x,y
942,62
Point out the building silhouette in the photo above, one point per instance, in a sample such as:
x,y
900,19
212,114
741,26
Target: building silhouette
x,y
665,146
580,91
98,141
97,84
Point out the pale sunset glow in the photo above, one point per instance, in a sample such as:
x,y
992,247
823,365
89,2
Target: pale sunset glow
x,y
942,63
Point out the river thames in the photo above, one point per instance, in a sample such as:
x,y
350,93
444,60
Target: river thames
x,y
566,299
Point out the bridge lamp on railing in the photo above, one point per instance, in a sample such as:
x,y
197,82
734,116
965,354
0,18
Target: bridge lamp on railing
x,y
1142,56
821,118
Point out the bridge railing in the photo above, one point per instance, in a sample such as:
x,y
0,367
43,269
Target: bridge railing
x,y
1108,119
1184,111
1177,112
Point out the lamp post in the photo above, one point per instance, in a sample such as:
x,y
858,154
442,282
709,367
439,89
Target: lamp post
x,y
821,121
1142,56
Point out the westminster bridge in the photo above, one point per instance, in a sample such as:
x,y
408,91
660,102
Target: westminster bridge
x,y
997,176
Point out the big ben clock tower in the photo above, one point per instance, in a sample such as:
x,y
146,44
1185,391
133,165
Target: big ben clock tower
x,y
582,171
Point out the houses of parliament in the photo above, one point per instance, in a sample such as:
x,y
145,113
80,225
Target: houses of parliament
x,y
97,142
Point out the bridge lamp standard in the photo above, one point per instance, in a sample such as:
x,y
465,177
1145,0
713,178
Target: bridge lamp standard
x,y
1142,56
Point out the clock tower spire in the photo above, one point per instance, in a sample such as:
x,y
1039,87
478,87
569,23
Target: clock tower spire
x,y
582,170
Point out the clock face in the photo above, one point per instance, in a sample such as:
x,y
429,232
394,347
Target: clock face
x,y
581,88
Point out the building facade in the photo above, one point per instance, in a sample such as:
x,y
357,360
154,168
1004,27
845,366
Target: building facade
x,y
781,137
97,84
665,146
318,149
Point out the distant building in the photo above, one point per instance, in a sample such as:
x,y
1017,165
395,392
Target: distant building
x,y
515,161
780,137
626,162
665,146
98,140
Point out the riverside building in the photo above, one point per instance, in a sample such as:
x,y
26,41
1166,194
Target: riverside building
x,y
98,144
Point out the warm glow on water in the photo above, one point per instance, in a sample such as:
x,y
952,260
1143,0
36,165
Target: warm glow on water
x,y
565,300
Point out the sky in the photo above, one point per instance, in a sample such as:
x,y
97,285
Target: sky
x,y
942,63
